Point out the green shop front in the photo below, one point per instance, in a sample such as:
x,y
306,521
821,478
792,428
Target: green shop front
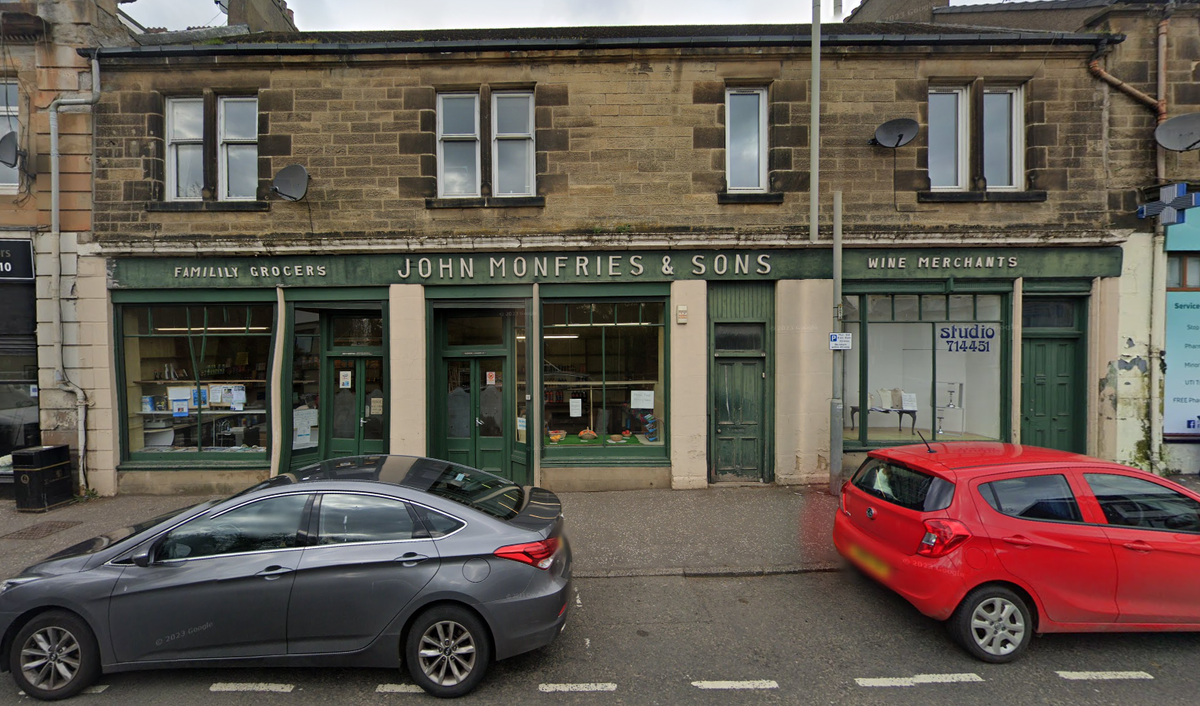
x,y
607,370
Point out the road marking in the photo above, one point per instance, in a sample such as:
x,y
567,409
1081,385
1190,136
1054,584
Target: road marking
x,y
1082,676
98,689
919,679
598,686
753,684
398,689
578,601
235,686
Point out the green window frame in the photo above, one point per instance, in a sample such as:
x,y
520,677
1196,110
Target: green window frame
x,y
599,324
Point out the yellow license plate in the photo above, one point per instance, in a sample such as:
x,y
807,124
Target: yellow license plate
x,y
869,562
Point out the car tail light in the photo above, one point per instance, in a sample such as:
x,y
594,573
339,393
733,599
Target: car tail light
x,y
538,554
842,498
942,536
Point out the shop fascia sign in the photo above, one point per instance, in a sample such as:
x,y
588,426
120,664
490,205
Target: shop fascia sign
x,y
16,260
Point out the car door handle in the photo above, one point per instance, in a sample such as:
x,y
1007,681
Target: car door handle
x,y
1139,546
1019,541
273,572
411,559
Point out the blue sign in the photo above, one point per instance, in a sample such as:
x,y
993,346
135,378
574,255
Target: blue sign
x,y
1181,408
1173,200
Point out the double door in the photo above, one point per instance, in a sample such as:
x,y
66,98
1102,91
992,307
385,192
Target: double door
x,y
358,422
474,409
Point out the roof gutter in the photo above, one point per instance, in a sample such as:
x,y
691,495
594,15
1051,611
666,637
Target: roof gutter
x,y
476,45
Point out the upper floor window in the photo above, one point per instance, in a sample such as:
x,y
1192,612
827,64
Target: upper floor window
x,y
9,113
746,139
458,144
236,138
1000,126
1183,270
512,144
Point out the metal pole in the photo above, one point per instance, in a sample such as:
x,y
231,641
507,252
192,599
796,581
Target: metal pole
x,y
835,403
814,125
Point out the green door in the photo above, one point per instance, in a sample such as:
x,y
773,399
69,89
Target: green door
x,y
1050,404
358,417
474,409
738,413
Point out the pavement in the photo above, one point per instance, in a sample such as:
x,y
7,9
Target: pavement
x,y
755,530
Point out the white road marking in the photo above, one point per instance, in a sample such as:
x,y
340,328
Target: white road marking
x,y
598,686
235,686
398,689
753,684
919,679
98,689
1082,676
587,643
578,602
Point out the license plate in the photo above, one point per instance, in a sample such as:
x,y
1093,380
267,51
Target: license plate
x,y
869,562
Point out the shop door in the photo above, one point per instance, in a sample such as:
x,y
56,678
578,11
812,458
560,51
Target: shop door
x,y
475,414
1050,404
739,377
359,420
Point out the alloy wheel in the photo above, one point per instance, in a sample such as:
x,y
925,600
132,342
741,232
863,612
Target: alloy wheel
x,y
997,626
50,658
447,653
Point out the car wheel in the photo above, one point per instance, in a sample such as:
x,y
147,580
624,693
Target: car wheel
x,y
54,656
993,624
447,651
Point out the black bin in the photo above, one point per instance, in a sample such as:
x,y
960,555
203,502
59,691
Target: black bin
x,y
42,478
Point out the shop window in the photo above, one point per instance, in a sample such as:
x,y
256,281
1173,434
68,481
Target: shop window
x,y
9,122
235,136
306,379
18,391
1000,126
196,378
604,377
928,364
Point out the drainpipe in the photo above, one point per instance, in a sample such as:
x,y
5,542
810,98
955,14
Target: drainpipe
x,y
60,374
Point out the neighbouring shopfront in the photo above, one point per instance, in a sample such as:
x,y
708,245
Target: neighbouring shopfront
x,y
611,369
1181,401
19,426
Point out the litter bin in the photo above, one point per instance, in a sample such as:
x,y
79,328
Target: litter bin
x,y
42,478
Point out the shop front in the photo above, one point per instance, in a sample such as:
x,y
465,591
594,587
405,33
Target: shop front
x,y
19,426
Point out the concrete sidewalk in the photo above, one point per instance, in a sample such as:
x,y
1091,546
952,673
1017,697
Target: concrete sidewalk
x,y
718,531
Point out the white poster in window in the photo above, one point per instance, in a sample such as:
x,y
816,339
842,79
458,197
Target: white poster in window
x,y
520,423
908,400
179,408
345,379
641,399
491,377
179,393
304,420
237,395
576,407
216,394
376,405
33,391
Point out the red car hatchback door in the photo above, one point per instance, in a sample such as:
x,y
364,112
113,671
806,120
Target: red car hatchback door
x,y
1039,536
1155,535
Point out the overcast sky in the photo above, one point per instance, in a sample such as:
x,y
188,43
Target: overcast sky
x,y
427,14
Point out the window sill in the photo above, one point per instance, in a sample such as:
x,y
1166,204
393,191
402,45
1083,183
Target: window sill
x,y
141,461
749,197
200,206
489,202
981,196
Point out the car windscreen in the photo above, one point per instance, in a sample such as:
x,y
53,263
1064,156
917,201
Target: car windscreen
x,y
476,489
104,541
903,486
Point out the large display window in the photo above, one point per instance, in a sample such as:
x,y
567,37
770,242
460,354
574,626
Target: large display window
x,y
604,378
196,378
928,364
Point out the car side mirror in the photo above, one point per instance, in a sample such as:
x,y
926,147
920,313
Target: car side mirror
x,y
143,557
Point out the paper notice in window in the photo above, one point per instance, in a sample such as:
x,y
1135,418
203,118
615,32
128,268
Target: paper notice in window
x,y
215,394
237,395
376,406
345,379
641,399
179,408
576,407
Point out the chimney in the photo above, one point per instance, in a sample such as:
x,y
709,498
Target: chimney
x,y
262,15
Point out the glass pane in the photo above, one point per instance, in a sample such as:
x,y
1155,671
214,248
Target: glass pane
x,y
11,98
1134,502
904,486
521,389
458,115
851,396
265,525
652,313
354,331
907,307
135,320
628,313
997,139
933,307
967,390
900,374
1047,313
458,399
879,307
943,139
491,397
962,307
850,310
1033,498
579,313
241,171
189,171
745,143
227,319
262,318
19,426
475,330
738,337
571,379
512,115
987,307
603,313
458,168
187,119
240,119
1193,271
306,383
1174,271
345,400
9,123
363,518
168,319
555,314
512,166
373,402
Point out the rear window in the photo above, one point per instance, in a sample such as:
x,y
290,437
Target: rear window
x,y
903,486
1033,498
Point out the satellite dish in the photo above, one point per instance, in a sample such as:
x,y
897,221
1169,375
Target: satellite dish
x,y
291,182
895,133
9,152
222,5
1179,134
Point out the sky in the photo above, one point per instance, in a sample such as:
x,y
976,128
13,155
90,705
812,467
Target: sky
x,y
408,14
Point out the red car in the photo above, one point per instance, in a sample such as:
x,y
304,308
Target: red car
x,y
1003,541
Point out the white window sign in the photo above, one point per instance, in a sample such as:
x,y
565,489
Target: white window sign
x,y
641,399
576,407
345,378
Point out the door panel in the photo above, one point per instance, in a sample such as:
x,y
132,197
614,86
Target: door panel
x,y
474,414
359,409
1049,399
738,409
459,417
489,416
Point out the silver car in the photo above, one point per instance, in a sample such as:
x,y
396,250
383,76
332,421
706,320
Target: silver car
x,y
365,561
